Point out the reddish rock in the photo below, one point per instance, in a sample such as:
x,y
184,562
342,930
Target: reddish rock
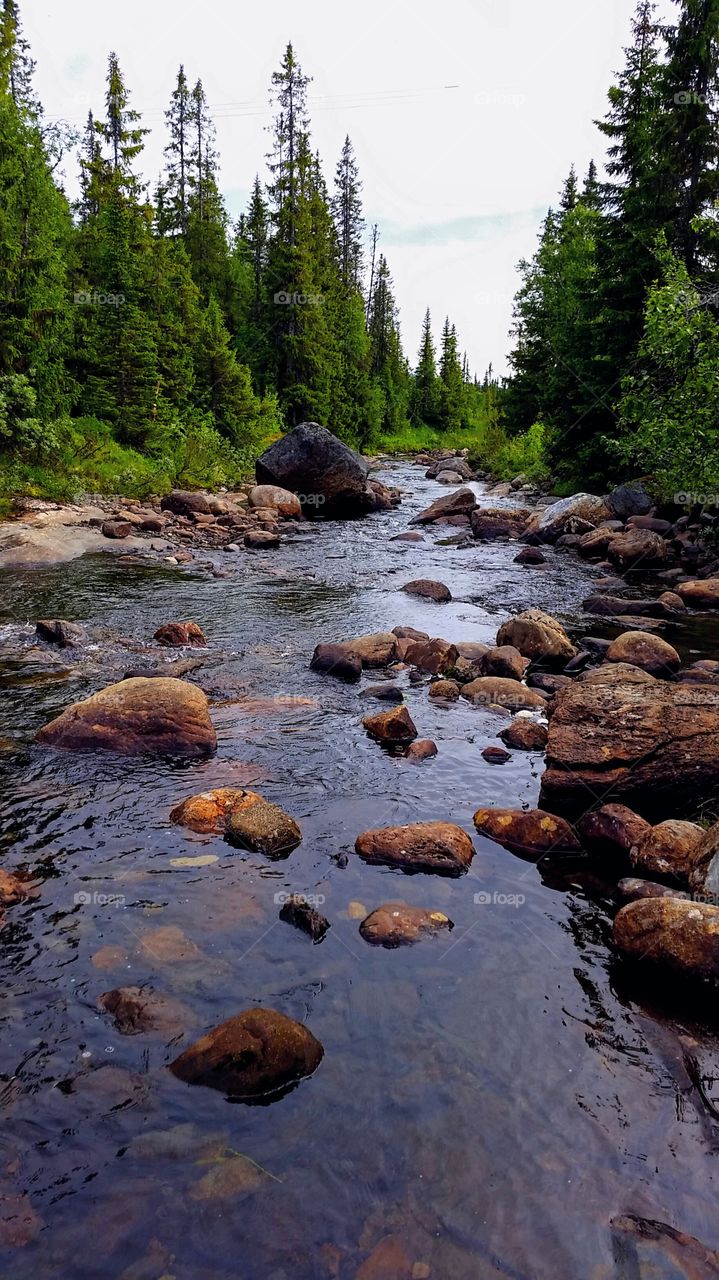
x,y
537,636
700,593
337,660
393,728
396,924
138,1010
117,529
179,634
280,500
161,716
528,833
428,589
181,502
504,661
375,650
612,830
440,847
422,749
496,755
670,934
58,631
667,850
446,689
261,538
631,889
255,1054
524,735
531,556
434,656
450,504
638,551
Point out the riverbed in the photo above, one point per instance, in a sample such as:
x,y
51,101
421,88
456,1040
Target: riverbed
x,y
489,1102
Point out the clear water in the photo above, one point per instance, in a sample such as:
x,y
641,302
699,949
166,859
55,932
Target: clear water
x,y
492,1099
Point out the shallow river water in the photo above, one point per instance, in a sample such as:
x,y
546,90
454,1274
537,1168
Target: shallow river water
x,y
489,1102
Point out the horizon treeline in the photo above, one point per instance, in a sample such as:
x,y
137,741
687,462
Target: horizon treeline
x,y
149,334
616,323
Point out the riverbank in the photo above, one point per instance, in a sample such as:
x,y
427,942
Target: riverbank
x,y
504,1095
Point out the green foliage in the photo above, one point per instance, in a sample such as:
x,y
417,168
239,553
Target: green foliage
x,y
670,406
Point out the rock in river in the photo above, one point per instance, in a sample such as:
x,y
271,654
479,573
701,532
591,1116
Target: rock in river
x,y
178,634
538,636
524,735
257,823
393,728
651,653
337,660
612,830
58,631
429,589
280,500
329,478
677,935
667,850
529,833
621,735
441,847
137,1010
461,502
497,692
397,924
553,521
255,1054
700,594
163,717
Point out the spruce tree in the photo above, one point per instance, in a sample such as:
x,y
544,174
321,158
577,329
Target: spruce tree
x,y
347,212
206,235
425,406
180,124
452,399
388,364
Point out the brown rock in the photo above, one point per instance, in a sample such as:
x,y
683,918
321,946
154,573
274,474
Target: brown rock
x,y
680,937
648,652
667,850
441,847
472,650
137,717
178,634
337,660
255,1054
612,830
491,526
181,502
207,813
495,691
14,889
422,749
280,500
594,545
153,524
389,1260
496,755
631,889
383,692
700,593
434,656
413,535
607,606
537,636
533,832
547,681
446,689
260,538
531,556
658,1251
622,735
395,727
638,551
374,650
704,870
428,589
58,631
298,912
504,661
409,633
262,827
450,504
137,1010
117,529
396,924
524,735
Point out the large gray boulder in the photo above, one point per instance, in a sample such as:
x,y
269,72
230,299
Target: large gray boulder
x,y
328,477
628,500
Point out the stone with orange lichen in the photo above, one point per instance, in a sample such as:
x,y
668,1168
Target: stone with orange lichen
x,y
533,832
246,819
207,813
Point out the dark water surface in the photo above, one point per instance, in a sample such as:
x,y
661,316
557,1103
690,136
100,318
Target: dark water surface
x,y
493,1098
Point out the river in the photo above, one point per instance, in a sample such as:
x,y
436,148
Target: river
x,y
489,1101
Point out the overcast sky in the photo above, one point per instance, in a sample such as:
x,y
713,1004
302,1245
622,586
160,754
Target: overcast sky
x,y
465,116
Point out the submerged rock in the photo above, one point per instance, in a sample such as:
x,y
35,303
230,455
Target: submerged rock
x,y
163,717
532,832
537,636
137,1010
396,924
256,1054
422,749
681,937
298,912
337,660
649,1250
524,734
440,847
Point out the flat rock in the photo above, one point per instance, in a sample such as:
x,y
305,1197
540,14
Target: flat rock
x,y
630,738
138,1010
439,847
632,889
261,538
255,1054
532,832
163,717
397,924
